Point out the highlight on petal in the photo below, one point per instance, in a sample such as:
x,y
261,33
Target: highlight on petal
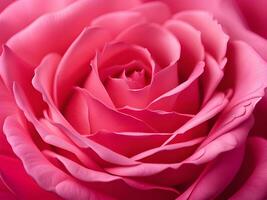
x,y
26,11
163,46
213,37
47,30
123,19
151,11
18,183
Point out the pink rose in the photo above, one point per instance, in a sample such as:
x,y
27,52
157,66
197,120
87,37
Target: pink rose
x,y
133,100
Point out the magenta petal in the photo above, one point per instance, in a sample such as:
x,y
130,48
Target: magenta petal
x,y
254,187
18,183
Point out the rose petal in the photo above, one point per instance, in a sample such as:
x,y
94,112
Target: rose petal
x,y
102,117
252,184
246,94
54,26
26,11
123,19
47,176
216,104
126,140
151,10
162,45
192,50
212,76
217,175
159,120
167,100
212,35
11,68
181,5
255,15
72,67
227,142
171,153
96,177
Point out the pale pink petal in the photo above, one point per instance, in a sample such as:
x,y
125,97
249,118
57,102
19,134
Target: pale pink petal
x,y
181,5
46,31
163,46
212,35
26,12
192,50
151,11
123,19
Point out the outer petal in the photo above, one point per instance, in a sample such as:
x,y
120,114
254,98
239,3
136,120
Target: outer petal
x,y
46,31
247,92
26,12
212,34
44,173
251,182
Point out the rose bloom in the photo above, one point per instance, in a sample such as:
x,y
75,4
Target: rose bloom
x,y
131,99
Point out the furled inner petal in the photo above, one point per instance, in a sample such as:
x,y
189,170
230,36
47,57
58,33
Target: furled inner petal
x,y
163,46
